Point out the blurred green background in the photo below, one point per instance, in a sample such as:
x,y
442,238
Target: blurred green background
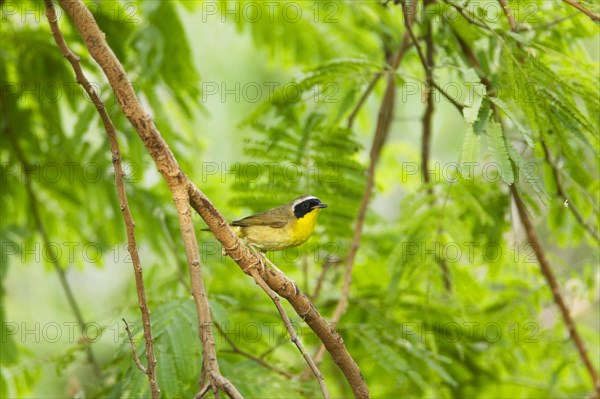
x,y
253,99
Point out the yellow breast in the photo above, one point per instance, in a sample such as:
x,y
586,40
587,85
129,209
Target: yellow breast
x,y
303,228
295,233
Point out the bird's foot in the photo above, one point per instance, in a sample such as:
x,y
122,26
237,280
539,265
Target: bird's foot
x,y
264,256
254,248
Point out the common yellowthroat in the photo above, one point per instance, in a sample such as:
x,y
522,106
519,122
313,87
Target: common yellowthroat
x,y
283,227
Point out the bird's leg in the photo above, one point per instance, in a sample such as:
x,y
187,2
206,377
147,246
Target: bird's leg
x,y
254,248
264,255
296,288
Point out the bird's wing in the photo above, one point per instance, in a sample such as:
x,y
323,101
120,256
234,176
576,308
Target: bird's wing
x,y
275,218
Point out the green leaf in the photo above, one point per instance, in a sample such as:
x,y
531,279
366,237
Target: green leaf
x,y
524,132
499,151
476,93
470,148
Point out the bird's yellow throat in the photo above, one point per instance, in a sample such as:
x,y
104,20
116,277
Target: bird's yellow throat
x,y
305,226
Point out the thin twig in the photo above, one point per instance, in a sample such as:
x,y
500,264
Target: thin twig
x,y
459,107
574,3
527,28
465,14
177,182
256,359
280,342
533,239
286,319
509,14
384,121
136,359
427,123
406,44
363,98
468,53
329,261
210,370
150,371
561,193
554,287
284,287
408,26
427,65
511,20
288,324
168,166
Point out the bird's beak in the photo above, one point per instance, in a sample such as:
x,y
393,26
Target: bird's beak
x,y
321,205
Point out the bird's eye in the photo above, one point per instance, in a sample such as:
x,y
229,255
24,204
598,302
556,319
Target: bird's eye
x,y
306,205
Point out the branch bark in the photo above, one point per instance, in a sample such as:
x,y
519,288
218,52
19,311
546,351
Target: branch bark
x,y
288,325
577,5
551,280
136,359
429,64
533,239
85,23
211,374
384,121
560,191
150,371
509,14
184,193
284,287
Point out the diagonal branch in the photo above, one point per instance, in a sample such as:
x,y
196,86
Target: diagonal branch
x,y
405,44
384,121
363,98
427,60
185,193
150,371
533,239
288,324
509,14
468,16
574,3
256,359
561,193
284,287
547,24
211,374
554,287
136,359
87,26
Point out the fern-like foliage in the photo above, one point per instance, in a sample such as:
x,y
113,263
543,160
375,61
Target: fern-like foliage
x,y
299,147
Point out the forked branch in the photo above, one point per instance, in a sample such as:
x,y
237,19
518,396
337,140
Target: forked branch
x,y
73,59
532,236
185,192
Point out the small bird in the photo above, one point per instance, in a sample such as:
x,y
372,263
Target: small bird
x,y
283,227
